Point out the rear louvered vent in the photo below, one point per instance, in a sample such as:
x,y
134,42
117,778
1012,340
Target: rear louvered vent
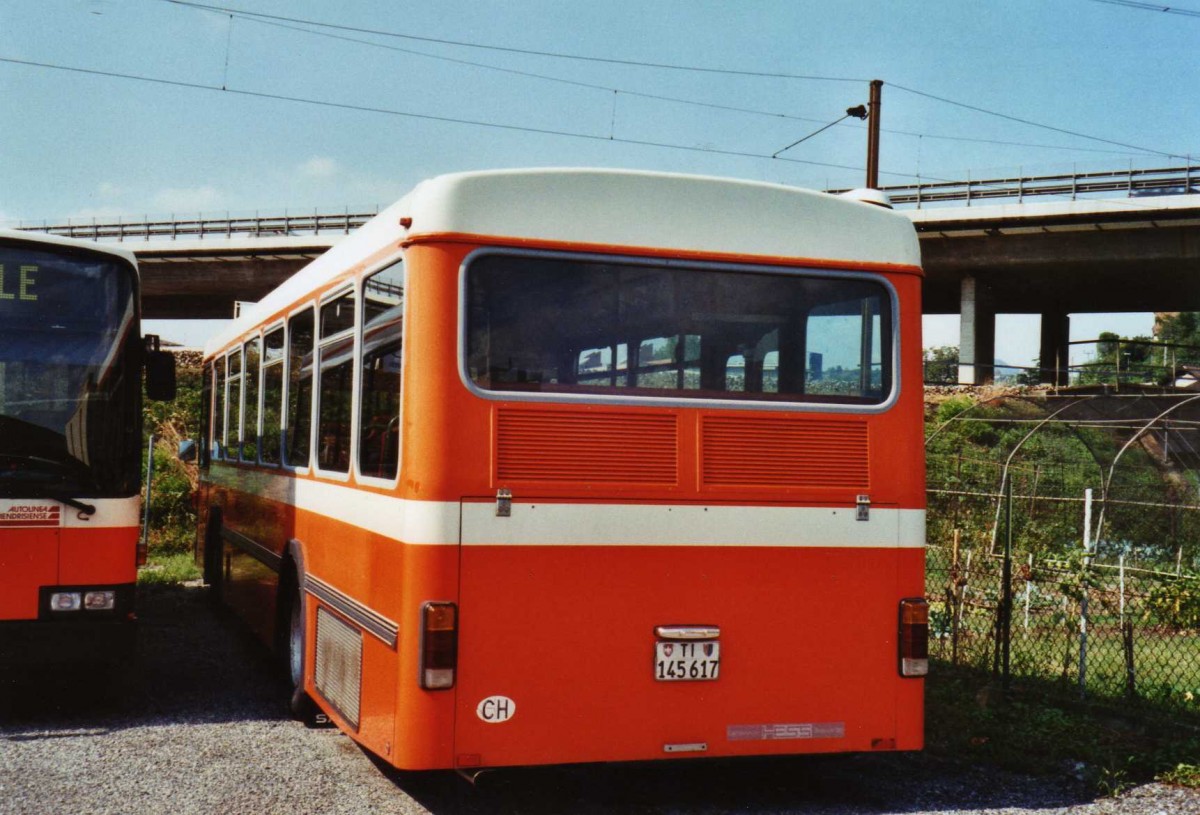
x,y
759,452
338,670
585,447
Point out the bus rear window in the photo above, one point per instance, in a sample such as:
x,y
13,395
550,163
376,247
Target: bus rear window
x,y
550,325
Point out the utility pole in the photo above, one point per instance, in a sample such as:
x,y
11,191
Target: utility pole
x,y
873,134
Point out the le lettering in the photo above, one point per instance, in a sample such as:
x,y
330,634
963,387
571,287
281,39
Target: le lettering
x,y
17,285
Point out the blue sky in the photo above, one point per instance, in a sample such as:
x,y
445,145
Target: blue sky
x,y
81,145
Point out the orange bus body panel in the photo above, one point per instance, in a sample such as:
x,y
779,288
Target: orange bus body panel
x,y
48,554
568,635
560,633
28,561
100,556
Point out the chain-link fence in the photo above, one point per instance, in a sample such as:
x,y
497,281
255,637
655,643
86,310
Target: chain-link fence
x,y
1117,635
1064,544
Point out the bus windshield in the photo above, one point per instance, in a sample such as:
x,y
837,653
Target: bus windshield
x,y
68,376
550,325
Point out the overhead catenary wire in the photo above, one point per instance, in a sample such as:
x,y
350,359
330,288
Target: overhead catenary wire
x,y
424,116
451,120
810,135
1032,123
528,74
663,66
514,50
1157,7
627,91
567,133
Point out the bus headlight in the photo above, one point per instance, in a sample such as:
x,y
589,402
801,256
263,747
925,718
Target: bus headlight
x,y
100,600
66,601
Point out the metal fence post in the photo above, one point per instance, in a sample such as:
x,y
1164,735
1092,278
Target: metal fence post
x,y
962,602
1028,592
1006,595
1083,586
1127,641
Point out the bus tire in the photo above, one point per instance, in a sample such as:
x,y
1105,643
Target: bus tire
x,y
302,707
214,573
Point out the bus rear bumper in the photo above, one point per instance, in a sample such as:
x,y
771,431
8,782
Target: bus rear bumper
x,y
42,642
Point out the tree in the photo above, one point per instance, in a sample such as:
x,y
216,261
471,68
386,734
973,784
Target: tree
x,y
1031,375
1181,328
1129,360
941,365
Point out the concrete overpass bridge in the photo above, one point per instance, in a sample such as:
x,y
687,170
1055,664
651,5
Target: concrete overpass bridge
x,y
1122,241
1056,259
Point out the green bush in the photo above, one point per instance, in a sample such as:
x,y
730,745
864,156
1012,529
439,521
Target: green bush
x,y
172,518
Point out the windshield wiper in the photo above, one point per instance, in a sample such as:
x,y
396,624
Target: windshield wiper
x,y
74,503
38,491
21,465
30,465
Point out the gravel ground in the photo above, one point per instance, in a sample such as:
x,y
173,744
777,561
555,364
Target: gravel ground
x,y
198,726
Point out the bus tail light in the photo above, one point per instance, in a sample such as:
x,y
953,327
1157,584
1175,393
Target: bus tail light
x,y
914,637
439,645
142,550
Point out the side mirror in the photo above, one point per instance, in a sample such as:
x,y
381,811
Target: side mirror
x,y
187,450
160,371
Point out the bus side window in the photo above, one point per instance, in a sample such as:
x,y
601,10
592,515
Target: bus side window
x,y
250,386
271,442
299,407
334,395
218,435
233,428
206,414
380,375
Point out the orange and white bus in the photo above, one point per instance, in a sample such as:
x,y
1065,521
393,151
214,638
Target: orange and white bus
x,y
71,360
552,466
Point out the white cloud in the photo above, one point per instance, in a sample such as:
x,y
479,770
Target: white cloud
x,y
319,167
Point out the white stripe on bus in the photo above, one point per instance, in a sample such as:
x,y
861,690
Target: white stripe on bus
x,y
110,512
587,524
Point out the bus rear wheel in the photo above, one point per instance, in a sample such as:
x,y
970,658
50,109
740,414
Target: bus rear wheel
x,y
302,706
213,555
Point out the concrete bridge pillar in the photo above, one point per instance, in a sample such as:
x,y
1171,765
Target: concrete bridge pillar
x,y
977,334
1054,356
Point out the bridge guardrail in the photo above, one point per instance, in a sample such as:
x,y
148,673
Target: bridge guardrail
x,y
1133,182
227,227
1114,361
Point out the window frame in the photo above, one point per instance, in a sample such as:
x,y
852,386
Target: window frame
x,y
360,327
232,453
338,291
284,418
220,392
204,443
256,431
269,328
810,271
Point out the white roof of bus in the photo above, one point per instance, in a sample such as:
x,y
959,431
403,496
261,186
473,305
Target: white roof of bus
x,y
616,208
56,240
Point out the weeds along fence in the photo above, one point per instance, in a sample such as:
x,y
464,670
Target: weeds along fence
x,y
1064,543
1109,635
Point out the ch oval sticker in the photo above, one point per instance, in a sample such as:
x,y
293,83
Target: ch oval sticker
x,y
496,709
